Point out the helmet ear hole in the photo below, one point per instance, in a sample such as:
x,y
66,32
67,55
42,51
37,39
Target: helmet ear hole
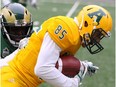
x,y
10,13
85,24
26,12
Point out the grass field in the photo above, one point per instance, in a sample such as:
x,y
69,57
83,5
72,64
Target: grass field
x,y
105,77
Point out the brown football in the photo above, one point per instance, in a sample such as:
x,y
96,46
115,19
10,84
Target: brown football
x,y
68,65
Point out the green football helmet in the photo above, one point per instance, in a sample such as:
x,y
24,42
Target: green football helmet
x,y
16,23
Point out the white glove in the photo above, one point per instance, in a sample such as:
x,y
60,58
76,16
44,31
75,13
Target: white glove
x,y
23,42
91,69
86,68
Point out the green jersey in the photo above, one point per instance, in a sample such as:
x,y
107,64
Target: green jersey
x,y
6,47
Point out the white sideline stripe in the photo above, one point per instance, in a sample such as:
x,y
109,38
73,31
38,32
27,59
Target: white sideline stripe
x,y
60,64
71,11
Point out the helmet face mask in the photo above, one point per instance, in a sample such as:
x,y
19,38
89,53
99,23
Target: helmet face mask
x,y
16,25
16,33
92,42
94,23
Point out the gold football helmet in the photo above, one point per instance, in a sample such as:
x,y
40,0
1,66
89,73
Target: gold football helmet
x,y
94,23
16,23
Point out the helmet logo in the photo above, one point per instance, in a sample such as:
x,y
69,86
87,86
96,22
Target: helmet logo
x,y
5,52
98,14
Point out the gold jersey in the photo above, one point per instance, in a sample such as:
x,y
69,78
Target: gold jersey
x,y
64,33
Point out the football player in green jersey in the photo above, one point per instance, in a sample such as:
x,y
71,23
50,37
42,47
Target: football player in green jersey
x,y
16,24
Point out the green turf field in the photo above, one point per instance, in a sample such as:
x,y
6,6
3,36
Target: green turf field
x,y
105,77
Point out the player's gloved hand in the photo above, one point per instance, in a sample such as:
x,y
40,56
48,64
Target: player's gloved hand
x,y
23,43
91,69
86,68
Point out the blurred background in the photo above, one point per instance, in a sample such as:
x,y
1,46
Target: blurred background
x,y
105,77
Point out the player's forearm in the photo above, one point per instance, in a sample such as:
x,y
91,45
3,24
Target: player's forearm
x,y
54,77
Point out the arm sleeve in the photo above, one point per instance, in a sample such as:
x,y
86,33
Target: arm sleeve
x,y
45,66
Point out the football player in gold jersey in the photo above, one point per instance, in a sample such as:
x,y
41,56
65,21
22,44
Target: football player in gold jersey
x,y
60,35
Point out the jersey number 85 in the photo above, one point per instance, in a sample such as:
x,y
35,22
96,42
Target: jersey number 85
x,y
60,32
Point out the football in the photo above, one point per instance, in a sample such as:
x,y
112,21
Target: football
x,y
68,65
